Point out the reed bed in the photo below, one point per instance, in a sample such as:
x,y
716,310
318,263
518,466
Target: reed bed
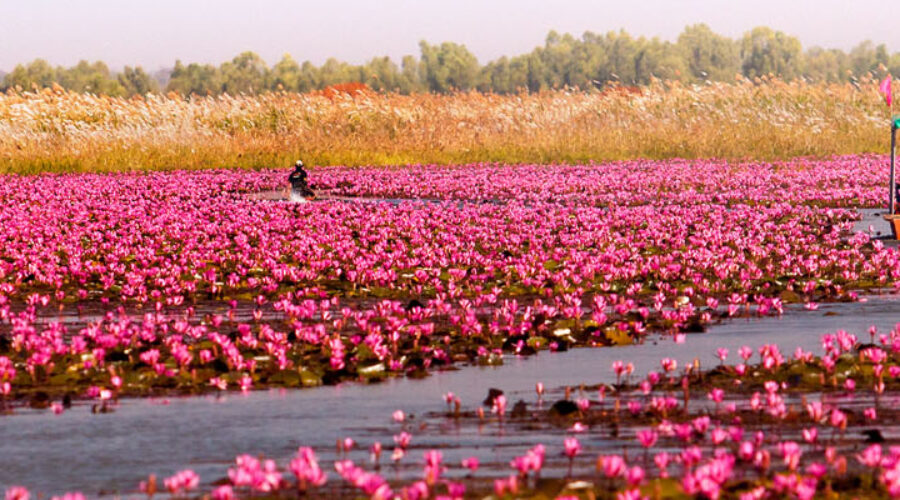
x,y
54,130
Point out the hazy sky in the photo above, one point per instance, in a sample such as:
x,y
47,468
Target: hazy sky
x,y
153,33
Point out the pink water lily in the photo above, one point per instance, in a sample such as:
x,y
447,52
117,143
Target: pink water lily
x,y
612,465
305,467
572,447
17,493
471,463
647,437
182,481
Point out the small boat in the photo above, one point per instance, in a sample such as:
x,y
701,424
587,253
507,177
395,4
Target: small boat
x,y
300,190
301,197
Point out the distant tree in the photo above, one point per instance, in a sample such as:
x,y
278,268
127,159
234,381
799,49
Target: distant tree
x,y
411,79
504,77
591,54
518,74
309,77
194,79
285,74
37,73
136,81
559,64
535,71
831,65
335,71
563,60
448,67
658,59
894,64
622,51
765,51
245,74
381,73
94,78
707,55
867,58
161,77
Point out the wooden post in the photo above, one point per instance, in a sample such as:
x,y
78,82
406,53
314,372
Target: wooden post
x,y
893,183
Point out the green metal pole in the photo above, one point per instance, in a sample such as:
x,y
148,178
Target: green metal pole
x,y
893,157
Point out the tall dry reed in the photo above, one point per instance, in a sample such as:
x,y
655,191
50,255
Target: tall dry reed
x,y
55,130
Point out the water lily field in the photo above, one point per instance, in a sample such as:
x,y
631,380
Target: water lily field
x,y
637,329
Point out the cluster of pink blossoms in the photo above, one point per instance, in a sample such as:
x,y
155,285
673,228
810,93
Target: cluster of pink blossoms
x,y
192,275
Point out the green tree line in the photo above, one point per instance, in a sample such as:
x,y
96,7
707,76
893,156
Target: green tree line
x,y
698,55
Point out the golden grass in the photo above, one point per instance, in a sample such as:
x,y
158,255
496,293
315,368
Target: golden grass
x,y
59,131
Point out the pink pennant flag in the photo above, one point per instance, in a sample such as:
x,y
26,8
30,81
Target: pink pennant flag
x,y
885,89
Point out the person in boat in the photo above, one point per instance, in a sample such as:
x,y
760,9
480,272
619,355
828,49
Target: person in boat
x,y
300,190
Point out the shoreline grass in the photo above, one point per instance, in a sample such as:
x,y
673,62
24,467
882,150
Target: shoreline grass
x,y
58,131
